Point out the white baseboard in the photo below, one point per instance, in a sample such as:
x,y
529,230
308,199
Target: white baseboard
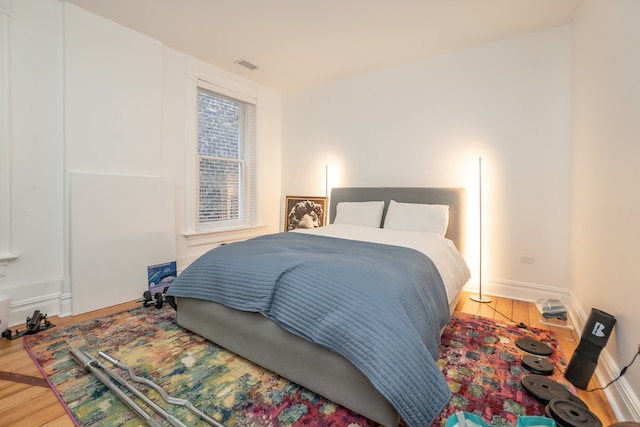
x,y
623,400
50,301
522,291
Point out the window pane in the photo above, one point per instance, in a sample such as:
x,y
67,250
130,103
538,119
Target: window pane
x,y
227,162
219,190
218,126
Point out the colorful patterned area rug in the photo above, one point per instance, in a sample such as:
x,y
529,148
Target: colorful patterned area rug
x,y
478,357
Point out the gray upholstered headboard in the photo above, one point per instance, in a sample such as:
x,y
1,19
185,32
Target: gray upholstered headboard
x,y
453,197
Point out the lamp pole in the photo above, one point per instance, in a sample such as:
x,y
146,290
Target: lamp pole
x,y
480,297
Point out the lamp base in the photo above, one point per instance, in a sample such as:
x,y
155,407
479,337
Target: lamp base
x,y
480,298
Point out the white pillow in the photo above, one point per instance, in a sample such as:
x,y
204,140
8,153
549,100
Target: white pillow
x,y
367,214
417,217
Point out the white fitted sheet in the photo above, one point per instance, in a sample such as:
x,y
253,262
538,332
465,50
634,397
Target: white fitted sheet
x,y
450,264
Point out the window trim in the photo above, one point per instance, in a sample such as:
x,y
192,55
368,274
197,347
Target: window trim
x,y
222,235
244,162
206,78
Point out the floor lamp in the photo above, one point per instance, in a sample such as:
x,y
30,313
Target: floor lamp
x,y
326,180
480,297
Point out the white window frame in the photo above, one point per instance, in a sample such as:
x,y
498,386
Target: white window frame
x,y
200,76
5,138
245,161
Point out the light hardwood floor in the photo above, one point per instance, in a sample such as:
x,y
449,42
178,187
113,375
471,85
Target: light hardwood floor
x,y
527,313
26,400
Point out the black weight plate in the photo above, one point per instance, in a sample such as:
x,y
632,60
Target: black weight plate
x,y
537,365
534,347
544,389
159,299
547,412
576,399
572,414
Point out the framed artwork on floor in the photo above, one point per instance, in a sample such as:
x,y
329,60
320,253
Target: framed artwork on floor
x,y
304,212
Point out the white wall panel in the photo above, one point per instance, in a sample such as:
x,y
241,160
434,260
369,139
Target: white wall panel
x,y
119,226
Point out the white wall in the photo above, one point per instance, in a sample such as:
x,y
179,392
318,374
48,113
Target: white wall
x,y
113,97
606,201
90,96
426,123
34,280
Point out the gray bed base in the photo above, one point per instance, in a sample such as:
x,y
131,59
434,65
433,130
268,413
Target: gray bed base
x,y
262,341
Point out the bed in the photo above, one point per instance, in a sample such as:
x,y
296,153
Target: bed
x,y
374,375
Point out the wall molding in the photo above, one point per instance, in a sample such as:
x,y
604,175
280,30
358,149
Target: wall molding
x,y
5,7
49,301
5,137
523,291
4,260
47,304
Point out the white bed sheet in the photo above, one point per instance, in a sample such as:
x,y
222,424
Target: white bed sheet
x,y
450,264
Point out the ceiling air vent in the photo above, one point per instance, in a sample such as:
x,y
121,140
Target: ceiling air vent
x,y
246,64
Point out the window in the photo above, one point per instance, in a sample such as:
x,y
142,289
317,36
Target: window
x,y
226,177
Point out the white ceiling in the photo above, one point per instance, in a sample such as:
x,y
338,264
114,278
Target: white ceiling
x,y
297,43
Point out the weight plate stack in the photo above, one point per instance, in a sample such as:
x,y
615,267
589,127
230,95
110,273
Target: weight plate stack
x,y
571,414
537,365
545,389
576,399
534,347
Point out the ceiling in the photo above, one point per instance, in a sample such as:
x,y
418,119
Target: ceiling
x,y
299,43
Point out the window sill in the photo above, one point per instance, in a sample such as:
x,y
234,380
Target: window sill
x,y
198,238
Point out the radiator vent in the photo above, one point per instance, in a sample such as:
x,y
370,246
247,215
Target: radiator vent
x,y
246,64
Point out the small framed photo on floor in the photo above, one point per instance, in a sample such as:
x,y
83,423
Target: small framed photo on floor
x,y
304,212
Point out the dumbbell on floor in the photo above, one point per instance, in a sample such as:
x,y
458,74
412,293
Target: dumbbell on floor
x,y
147,299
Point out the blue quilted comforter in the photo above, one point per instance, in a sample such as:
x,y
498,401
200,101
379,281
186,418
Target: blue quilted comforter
x,y
381,307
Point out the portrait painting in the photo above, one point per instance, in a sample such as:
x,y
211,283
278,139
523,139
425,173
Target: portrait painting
x,y
304,212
